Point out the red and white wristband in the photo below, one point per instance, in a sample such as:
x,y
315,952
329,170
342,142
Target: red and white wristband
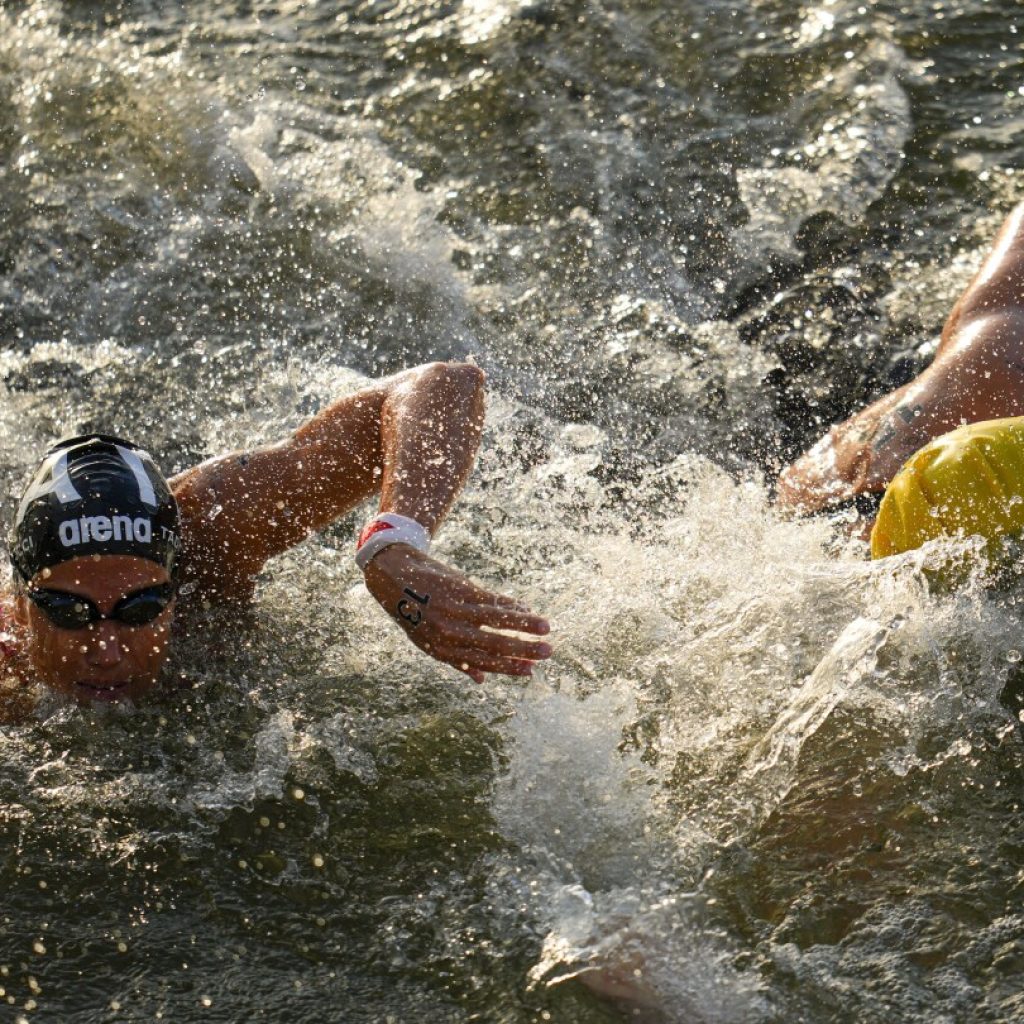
x,y
388,528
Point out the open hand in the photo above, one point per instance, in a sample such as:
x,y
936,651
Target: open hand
x,y
448,616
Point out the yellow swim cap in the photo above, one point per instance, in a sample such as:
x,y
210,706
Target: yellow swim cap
x,y
969,481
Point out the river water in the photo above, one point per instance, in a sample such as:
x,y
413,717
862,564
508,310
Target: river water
x,y
762,779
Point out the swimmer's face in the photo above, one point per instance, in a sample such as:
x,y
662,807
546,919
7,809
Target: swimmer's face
x,y
107,660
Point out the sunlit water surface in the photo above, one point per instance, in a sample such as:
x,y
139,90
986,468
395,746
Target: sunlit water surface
x,y
762,779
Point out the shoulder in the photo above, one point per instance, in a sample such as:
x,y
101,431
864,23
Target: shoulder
x,y
226,507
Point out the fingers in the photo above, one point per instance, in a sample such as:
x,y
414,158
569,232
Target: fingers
x,y
472,638
470,661
515,617
485,597
499,610
839,466
474,650
810,482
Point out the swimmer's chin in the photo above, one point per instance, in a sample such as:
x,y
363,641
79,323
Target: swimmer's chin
x,y
105,692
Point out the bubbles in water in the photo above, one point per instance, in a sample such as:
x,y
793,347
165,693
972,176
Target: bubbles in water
x,y
744,746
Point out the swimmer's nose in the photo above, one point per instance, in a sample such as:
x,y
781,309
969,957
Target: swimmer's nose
x,y
105,649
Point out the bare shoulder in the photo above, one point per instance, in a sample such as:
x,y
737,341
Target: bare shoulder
x,y
221,547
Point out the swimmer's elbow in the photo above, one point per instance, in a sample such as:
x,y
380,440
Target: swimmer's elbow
x,y
461,378
464,374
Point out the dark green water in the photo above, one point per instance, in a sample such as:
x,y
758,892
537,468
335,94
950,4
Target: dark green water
x,y
761,780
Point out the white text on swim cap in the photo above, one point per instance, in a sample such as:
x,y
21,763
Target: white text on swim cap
x,y
73,532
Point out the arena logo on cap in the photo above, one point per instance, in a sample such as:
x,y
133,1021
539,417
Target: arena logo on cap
x,y
100,529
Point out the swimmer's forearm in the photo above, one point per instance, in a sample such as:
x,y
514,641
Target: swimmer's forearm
x,y
430,429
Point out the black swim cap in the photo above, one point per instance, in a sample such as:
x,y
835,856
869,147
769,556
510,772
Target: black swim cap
x,y
95,495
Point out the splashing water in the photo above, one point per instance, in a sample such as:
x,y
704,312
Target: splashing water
x,y
762,779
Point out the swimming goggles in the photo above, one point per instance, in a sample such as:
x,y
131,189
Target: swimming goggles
x,y
72,611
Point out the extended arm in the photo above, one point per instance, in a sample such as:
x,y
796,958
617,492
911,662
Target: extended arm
x,y
413,437
977,374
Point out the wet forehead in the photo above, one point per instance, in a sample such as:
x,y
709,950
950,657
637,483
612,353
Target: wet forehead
x,y
103,578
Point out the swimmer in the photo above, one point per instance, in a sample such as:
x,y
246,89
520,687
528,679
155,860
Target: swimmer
x,y
977,374
106,553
